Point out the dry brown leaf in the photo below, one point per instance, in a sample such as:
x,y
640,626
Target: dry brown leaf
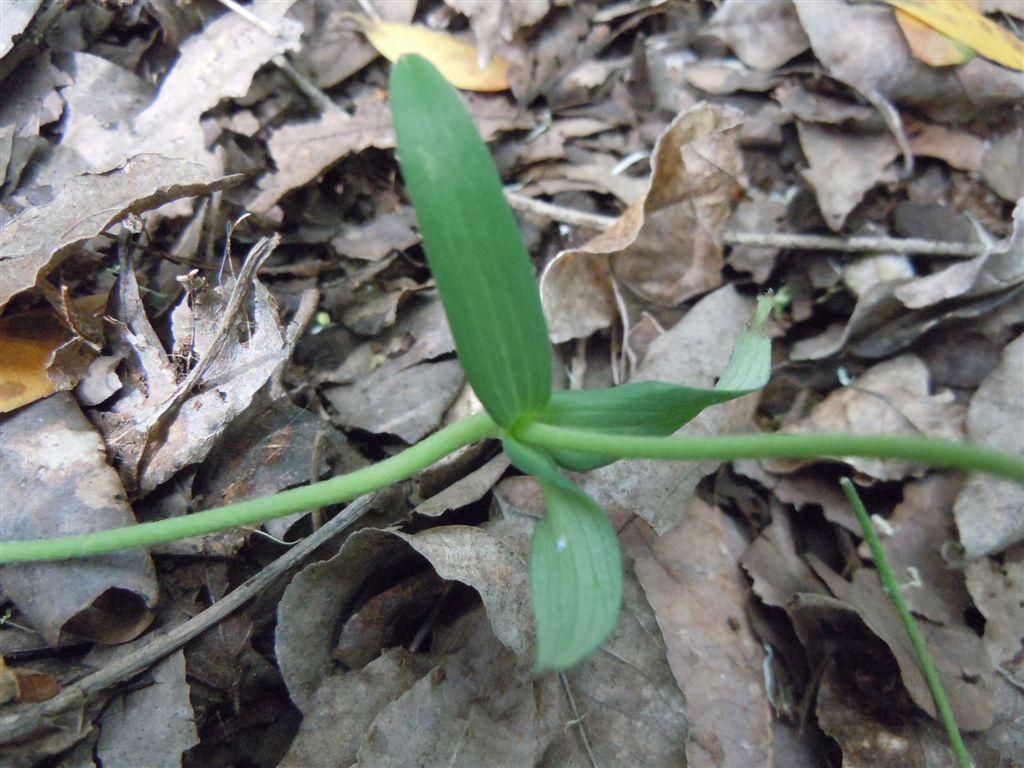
x,y
844,166
217,63
30,102
922,526
764,35
27,341
41,238
1003,163
153,725
465,491
960,657
302,151
667,246
407,402
496,22
377,238
234,362
52,448
988,510
958,148
812,107
891,398
692,577
861,44
332,47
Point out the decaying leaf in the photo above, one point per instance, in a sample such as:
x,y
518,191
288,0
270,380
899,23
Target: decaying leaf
x,y
164,394
885,65
27,342
41,238
765,35
302,151
153,725
988,510
844,166
692,577
52,448
496,22
667,246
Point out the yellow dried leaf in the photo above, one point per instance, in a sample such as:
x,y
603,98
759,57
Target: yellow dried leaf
x,y
26,342
931,46
456,60
959,20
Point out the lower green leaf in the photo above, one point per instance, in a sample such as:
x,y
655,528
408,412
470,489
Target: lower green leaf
x,y
575,578
575,566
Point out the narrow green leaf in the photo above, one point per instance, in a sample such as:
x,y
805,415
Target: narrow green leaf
x,y
654,408
575,566
473,245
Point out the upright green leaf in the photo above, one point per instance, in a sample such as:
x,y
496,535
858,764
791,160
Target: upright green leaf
x,y
473,245
655,408
575,566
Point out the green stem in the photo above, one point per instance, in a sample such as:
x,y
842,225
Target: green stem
x,y
933,452
924,658
332,491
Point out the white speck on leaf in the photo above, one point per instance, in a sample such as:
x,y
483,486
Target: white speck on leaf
x,y
561,544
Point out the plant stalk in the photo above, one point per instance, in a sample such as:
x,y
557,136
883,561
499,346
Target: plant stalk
x,y
930,451
332,491
892,588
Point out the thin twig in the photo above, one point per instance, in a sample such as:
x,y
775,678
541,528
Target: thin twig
x,y
251,17
19,725
793,242
578,720
320,100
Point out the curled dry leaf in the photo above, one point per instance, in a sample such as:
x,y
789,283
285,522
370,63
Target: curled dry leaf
x,y
993,273
332,47
41,238
960,657
667,246
51,448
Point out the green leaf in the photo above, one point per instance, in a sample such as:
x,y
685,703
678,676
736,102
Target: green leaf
x,y
654,408
473,245
575,566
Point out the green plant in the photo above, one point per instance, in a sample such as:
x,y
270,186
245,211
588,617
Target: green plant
x,y
485,279
924,658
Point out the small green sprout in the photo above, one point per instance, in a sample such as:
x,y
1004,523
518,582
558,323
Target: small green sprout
x,y
486,282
